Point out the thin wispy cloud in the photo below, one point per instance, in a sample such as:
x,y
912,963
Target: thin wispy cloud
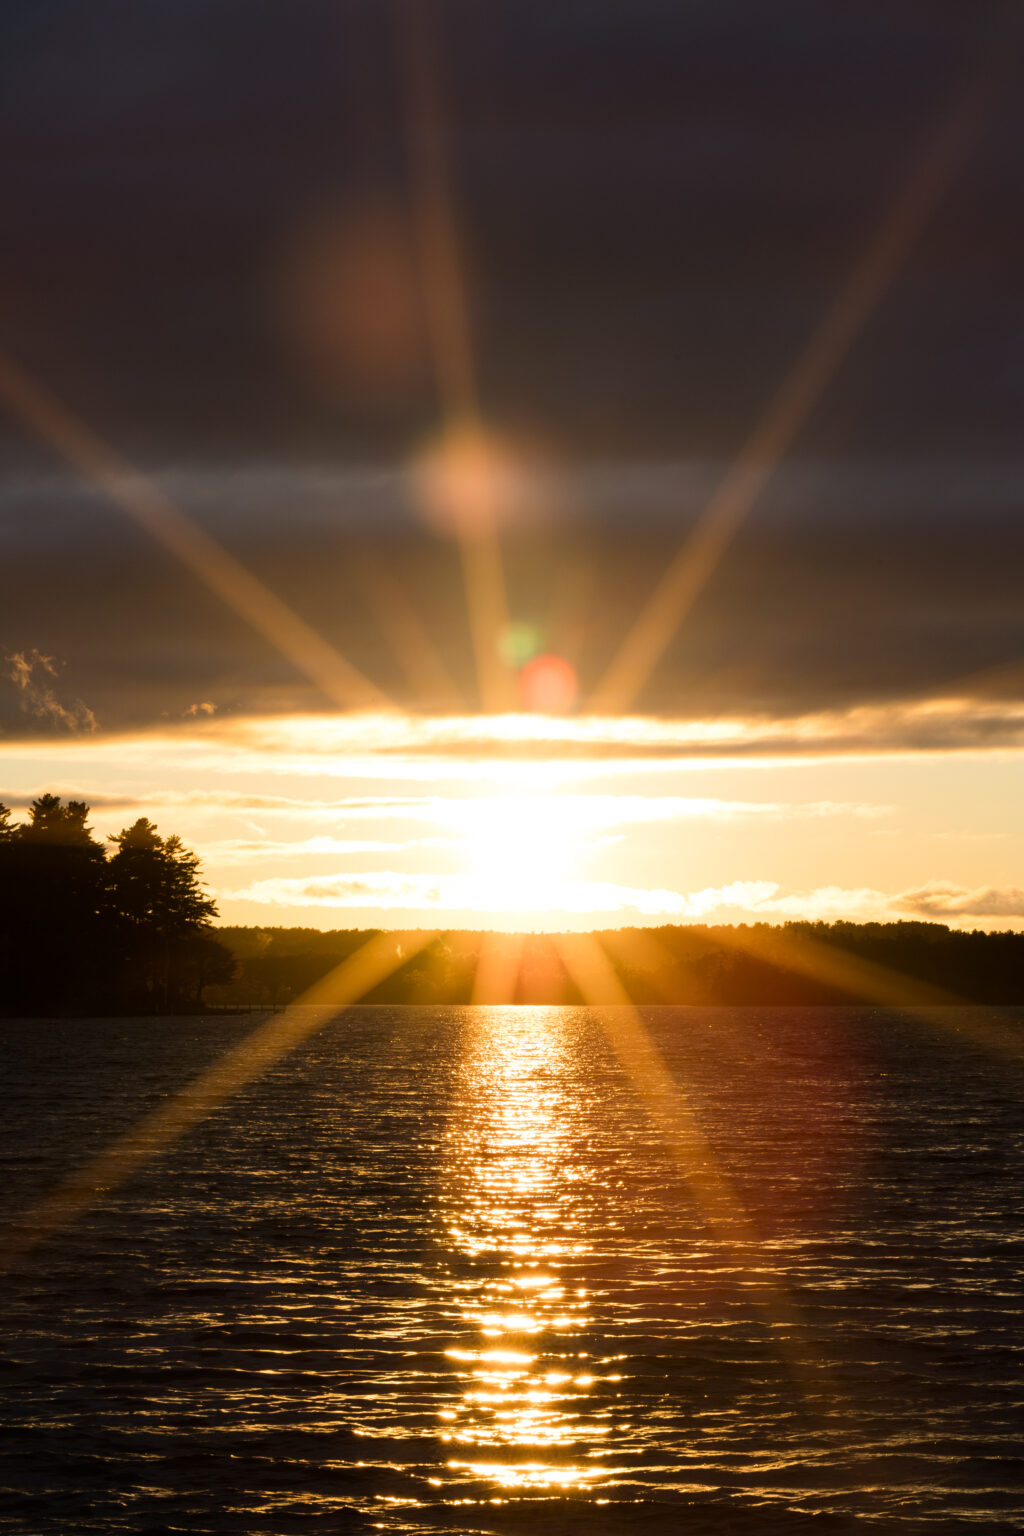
x,y
582,818
256,850
34,676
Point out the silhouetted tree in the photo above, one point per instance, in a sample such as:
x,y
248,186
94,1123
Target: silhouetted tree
x,y
7,898
80,931
155,881
56,825
54,908
158,902
198,961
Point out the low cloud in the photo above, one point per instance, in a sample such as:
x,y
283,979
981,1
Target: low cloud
x,y
767,901
398,746
953,723
940,899
382,889
936,901
741,901
386,890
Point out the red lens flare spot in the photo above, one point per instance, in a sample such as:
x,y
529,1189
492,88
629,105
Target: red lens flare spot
x,y
548,686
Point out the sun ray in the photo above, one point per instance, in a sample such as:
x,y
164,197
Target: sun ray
x,y
439,252
944,155
851,974
594,976
157,1132
463,438
638,944
409,638
659,965
497,968
484,581
880,984
671,1113
218,570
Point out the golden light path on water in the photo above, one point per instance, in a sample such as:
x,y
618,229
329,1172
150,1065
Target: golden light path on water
x,y
520,1201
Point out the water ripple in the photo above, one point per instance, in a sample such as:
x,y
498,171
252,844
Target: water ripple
x,y
438,1271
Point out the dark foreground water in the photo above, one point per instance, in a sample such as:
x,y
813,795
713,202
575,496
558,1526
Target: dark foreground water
x,y
440,1270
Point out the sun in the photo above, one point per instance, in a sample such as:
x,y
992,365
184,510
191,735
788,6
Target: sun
x,y
519,850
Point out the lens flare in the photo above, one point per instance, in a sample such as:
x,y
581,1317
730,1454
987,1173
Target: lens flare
x,y
548,686
351,306
519,643
466,482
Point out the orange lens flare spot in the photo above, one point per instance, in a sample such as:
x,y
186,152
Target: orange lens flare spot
x,y
350,305
548,686
466,482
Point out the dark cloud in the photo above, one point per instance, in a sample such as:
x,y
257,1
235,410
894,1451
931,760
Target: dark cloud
x,y
851,584
657,202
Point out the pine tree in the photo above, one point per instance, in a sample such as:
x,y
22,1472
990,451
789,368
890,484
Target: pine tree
x,y
161,909
154,882
53,907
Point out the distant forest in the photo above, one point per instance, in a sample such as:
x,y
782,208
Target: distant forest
x,y
128,929
890,964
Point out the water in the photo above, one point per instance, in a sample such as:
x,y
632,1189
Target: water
x,y
448,1269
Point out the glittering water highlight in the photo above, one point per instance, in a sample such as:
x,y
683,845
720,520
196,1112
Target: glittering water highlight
x,y
438,1272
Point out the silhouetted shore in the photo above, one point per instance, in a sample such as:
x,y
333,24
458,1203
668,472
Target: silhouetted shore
x,y
901,964
129,931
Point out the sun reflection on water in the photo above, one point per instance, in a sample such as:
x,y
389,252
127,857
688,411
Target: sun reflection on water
x,y
519,1204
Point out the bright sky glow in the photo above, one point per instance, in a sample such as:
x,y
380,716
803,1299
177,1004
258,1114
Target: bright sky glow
x,y
540,822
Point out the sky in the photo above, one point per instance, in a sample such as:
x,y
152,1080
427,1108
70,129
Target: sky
x,y
543,465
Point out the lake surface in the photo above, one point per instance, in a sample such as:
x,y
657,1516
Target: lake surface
x,y
495,1269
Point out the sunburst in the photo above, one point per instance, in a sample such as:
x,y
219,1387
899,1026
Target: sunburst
x,y
528,844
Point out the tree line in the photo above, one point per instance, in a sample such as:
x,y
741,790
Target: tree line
x,y
89,929
748,964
